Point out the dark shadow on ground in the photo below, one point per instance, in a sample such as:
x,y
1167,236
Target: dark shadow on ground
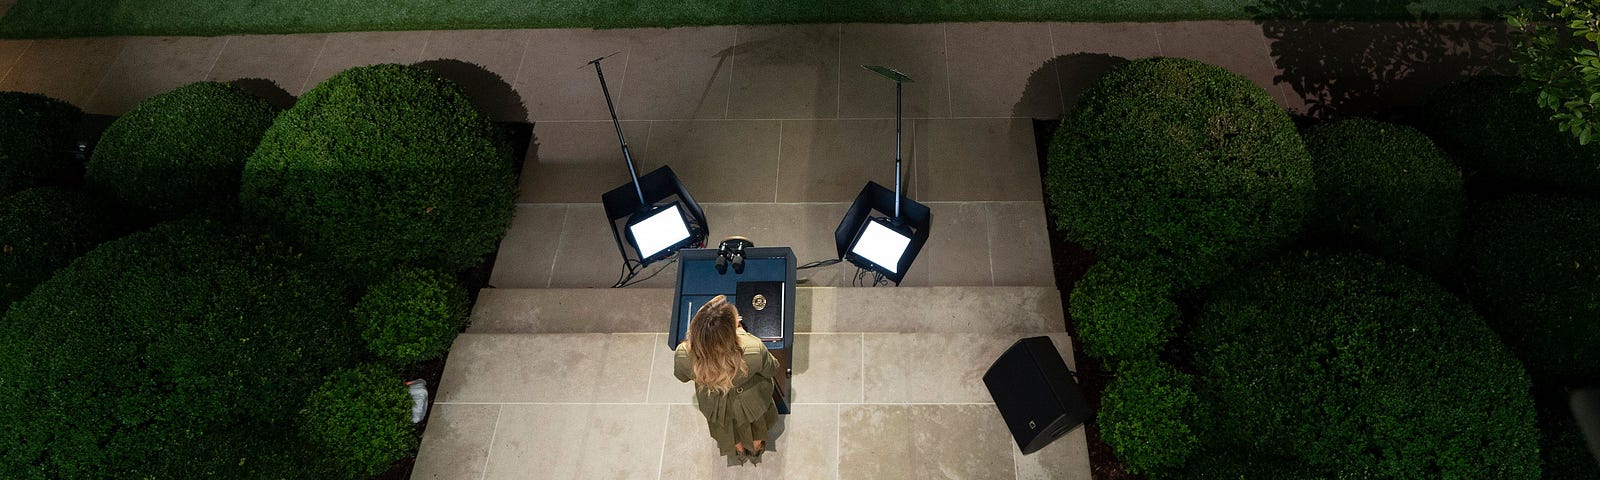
x,y
490,93
267,90
1373,69
1073,73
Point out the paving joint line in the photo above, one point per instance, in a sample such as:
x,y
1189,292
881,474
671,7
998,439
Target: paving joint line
x,y
566,212
313,70
489,452
20,56
104,77
666,422
213,68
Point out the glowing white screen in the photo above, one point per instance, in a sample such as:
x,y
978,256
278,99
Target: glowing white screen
x,y
660,231
882,246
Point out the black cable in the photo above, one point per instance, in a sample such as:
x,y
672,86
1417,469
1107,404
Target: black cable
x,y
652,274
818,263
628,272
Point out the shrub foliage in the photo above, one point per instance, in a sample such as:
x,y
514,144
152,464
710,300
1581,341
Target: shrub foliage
x,y
1364,369
1182,163
41,229
1534,269
360,420
1122,311
172,353
181,150
35,134
1387,189
1149,416
1505,141
382,166
412,316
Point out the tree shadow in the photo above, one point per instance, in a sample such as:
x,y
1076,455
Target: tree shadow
x,y
1341,68
1072,74
487,90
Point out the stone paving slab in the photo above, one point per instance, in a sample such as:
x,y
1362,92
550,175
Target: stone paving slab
x,y
864,408
817,310
972,244
893,368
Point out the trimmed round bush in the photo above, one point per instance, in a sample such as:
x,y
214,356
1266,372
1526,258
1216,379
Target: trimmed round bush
x,y
176,352
1385,188
1122,311
1361,368
180,151
1180,163
384,166
1533,267
35,136
1505,141
360,420
1148,416
412,316
41,230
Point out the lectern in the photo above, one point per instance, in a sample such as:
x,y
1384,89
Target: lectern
x,y
768,272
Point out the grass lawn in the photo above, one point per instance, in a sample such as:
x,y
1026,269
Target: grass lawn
x,y
69,18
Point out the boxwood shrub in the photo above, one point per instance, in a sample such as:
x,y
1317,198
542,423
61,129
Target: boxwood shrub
x,y
176,352
1385,188
41,230
382,166
411,316
181,150
1181,163
359,419
1362,368
1534,269
1149,416
1506,141
35,135
1123,311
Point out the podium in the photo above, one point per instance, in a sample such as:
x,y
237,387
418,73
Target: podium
x,y
699,281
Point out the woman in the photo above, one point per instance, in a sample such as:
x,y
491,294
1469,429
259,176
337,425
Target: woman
x,y
733,377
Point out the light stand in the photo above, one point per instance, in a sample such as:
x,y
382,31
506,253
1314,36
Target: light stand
x,y
885,246
653,216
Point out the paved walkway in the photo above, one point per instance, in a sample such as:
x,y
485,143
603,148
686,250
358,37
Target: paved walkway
x,y
773,129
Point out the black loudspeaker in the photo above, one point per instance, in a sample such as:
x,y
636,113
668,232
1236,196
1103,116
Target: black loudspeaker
x,y
1035,393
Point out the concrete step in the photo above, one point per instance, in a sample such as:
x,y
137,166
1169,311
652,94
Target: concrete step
x,y
865,405
818,310
893,368
669,441
971,244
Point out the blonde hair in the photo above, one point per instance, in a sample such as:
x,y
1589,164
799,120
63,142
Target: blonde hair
x,y
715,353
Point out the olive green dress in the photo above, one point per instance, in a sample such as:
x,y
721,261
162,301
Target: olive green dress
x,y
743,414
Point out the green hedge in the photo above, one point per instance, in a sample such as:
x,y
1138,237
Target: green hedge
x,y
360,421
412,316
41,230
1505,141
1366,369
35,134
1122,311
383,166
176,352
1149,417
1386,188
180,151
1181,163
1534,269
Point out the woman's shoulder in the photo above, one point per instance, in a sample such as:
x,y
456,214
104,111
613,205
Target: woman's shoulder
x,y
750,343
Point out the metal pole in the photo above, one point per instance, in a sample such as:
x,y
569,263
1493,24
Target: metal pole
x,y
632,173
897,92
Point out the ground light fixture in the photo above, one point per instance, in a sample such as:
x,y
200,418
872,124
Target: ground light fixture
x,y
653,216
883,231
